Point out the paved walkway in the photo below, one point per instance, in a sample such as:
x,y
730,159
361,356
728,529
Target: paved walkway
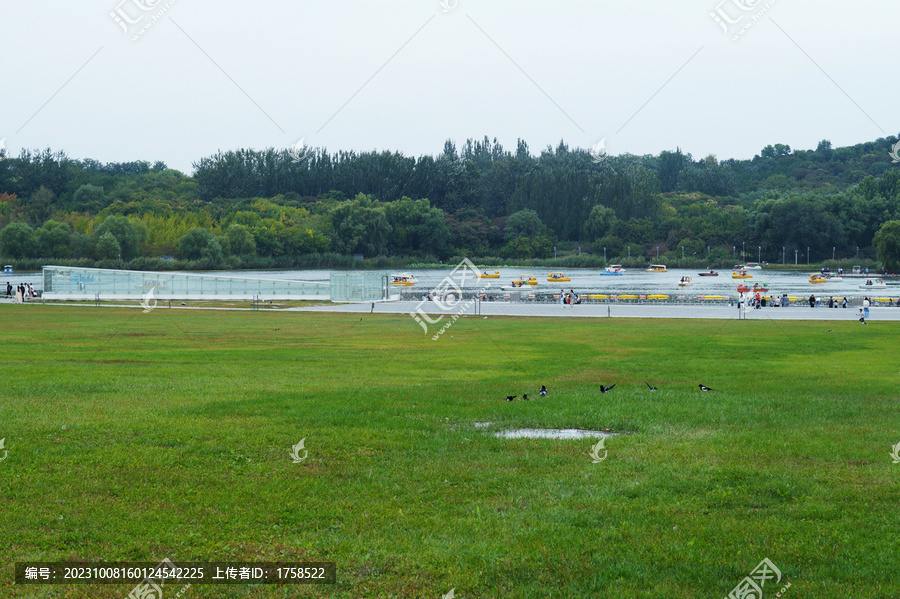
x,y
798,312
615,311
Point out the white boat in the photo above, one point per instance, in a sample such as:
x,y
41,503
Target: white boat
x,y
754,266
873,284
685,282
613,270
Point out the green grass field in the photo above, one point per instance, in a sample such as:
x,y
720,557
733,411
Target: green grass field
x,y
137,437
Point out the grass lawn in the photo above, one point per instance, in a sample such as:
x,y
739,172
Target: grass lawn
x,y
137,437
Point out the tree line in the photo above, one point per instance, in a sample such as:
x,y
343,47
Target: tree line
x,y
250,207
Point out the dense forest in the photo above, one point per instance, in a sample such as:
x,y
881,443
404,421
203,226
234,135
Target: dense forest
x,y
310,207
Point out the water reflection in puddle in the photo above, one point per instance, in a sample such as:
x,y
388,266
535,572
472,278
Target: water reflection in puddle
x,y
546,433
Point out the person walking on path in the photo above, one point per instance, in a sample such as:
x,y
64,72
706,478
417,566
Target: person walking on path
x,y
812,301
8,289
784,300
19,298
862,317
866,307
562,298
844,303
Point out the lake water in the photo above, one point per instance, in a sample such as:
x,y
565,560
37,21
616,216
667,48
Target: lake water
x,y
590,281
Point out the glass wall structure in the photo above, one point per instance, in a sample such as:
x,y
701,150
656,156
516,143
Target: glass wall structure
x,y
360,286
64,282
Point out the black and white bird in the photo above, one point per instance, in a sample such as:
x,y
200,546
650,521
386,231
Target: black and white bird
x,y
544,391
652,388
525,396
705,388
605,389
511,397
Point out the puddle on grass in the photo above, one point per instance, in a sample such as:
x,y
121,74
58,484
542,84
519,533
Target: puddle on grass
x,y
546,433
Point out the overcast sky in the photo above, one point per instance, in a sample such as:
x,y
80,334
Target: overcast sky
x,y
407,75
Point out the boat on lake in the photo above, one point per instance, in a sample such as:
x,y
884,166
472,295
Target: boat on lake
x,y
818,279
657,268
613,270
525,280
489,275
873,284
755,288
741,274
403,279
8,269
685,282
557,277
711,273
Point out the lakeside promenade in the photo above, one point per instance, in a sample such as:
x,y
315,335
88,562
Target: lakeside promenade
x,y
795,312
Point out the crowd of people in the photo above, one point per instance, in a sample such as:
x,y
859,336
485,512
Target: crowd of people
x,y
568,299
24,291
761,301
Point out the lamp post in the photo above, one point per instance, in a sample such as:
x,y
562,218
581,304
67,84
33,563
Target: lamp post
x,y
707,250
657,253
579,250
742,251
857,251
759,254
782,254
807,255
554,252
629,252
682,252
795,257
832,252
604,254
733,250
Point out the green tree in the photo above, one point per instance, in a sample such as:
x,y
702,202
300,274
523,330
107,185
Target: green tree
x,y
40,205
360,227
239,240
79,245
199,243
887,241
128,233
108,247
599,221
53,239
524,223
670,166
417,227
17,240
89,198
